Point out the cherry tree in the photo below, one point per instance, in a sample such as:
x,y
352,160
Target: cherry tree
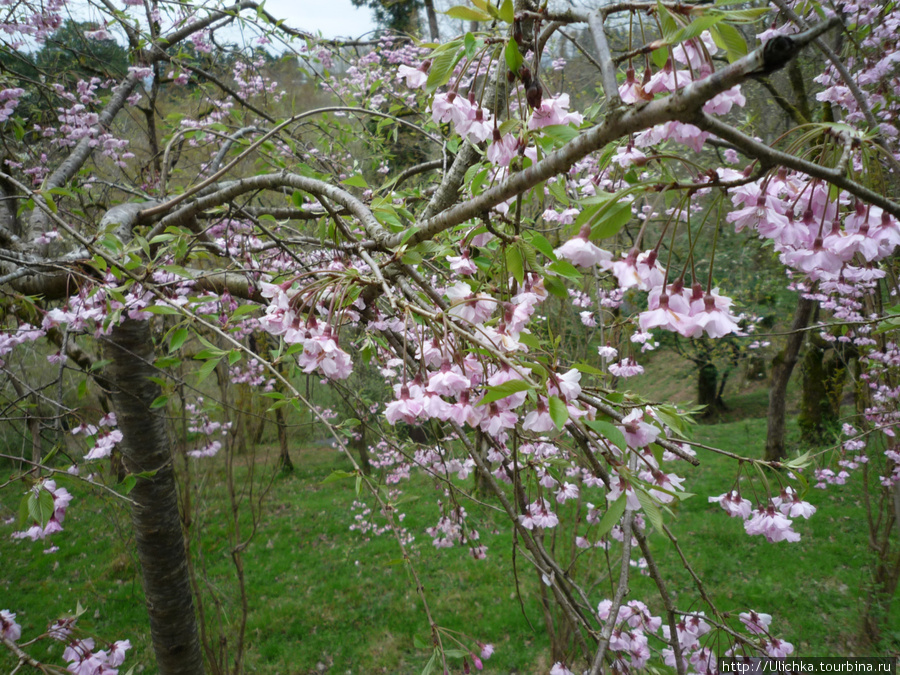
x,y
308,242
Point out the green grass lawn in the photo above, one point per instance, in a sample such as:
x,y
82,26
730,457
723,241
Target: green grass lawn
x,y
324,598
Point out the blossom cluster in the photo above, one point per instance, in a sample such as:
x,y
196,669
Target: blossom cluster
x,y
39,530
772,520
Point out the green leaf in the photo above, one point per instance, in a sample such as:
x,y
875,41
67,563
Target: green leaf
x,y
161,309
338,475
48,200
667,21
540,242
355,181
507,11
206,369
748,15
470,45
164,362
560,132
513,57
650,508
99,365
40,506
179,335
127,484
23,511
243,309
695,28
442,67
558,190
612,516
514,263
565,269
159,402
677,422
610,432
556,287
559,413
503,390
467,14
728,37
432,662
612,221
297,199
50,455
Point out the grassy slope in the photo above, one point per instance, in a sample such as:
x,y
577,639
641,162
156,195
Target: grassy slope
x,y
321,596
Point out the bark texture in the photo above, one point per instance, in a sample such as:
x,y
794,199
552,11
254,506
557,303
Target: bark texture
x,y
781,375
155,515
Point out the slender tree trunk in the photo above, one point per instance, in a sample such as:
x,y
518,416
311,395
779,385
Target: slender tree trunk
x,y
432,21
154,514
782,368
284,457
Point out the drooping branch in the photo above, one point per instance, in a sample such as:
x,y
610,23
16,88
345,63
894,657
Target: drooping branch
x,y
685,105
772,157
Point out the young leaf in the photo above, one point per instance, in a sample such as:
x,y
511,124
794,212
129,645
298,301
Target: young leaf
x,y
355,181
559,413
514,263
467,14
514,59
179,335
650,508
338,475
612,221
159,402
728,37
503,390
612,516
609,432
127,485
441,68
206,369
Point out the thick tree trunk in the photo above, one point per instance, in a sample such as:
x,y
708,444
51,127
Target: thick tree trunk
x,y
782,368
824,374
154,515
707,379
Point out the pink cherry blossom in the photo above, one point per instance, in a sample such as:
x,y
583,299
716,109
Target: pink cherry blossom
x,y
553,111
580,251
638,433
503,149
756,623
9,629
734,505
415,77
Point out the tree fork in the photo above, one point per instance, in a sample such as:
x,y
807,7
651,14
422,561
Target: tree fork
x,y
155,516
